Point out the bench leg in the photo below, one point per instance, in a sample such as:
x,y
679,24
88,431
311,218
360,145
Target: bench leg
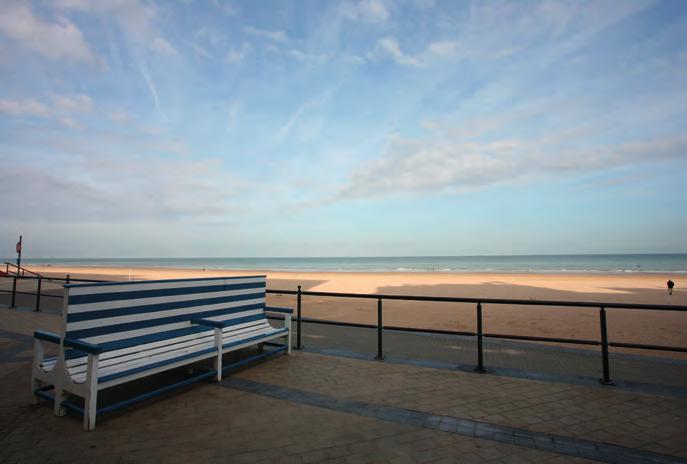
x,y
38,355
218,358
60,396
91,399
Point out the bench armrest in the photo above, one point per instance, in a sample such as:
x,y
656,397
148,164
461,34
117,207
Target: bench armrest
x,y
209,323
278,309
81,345
47,336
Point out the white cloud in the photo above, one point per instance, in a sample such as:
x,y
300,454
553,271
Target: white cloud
x,y
19,108
163,47
238,55
276,36
68,121
455,166
120,117
136,19
133,16
374,11
302,116
73,103
59,40
62,108
445,48
391,48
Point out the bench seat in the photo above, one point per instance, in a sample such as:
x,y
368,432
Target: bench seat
x,y
118,332
118,364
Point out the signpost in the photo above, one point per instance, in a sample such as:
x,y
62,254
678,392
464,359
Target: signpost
x,y
14,281
18,248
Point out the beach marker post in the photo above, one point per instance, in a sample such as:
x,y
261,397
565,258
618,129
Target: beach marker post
x,y
380,354
299,344
480,334
18,248
14,281
606,380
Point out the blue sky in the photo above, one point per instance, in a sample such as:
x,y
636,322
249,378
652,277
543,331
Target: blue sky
x,y
323,128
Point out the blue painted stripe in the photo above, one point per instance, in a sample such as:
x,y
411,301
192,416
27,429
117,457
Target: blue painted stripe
x,y
47,336
199,279
114,328
167,335
136,294
117,312
151,366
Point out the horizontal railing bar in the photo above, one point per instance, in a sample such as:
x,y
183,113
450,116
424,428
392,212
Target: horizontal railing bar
x,y
31,293
340,323
433,331
447,299
574,341
61,279
642,346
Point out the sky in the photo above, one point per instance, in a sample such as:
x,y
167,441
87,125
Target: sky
x,y
134,128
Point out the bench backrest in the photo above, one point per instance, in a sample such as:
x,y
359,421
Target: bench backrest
x,y
155,310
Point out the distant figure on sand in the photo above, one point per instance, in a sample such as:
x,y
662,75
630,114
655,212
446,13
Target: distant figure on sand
x,y
671,284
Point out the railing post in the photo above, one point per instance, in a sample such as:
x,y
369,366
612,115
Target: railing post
x,y
480,334
14,292
606,380
67,279
38,295
299,317
380,353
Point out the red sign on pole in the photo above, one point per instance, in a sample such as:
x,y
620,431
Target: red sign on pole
x,y
18,247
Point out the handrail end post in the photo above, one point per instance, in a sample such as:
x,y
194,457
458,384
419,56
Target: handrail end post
x,y
299,319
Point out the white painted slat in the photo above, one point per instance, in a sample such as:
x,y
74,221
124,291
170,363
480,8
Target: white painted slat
x,y
236,329
87,289
107,321
153,371
133,303
152,359
162,328
166,345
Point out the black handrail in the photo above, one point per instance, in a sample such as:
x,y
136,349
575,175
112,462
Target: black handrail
x,y
450,299
480,334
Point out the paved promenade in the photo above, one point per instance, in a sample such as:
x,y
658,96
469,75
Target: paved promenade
x,y
319,408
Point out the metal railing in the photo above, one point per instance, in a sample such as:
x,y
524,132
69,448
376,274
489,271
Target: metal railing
x,y
603,340
479,334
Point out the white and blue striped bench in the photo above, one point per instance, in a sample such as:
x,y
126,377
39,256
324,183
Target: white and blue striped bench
x,y
118,332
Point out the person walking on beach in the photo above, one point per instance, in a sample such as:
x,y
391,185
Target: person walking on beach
x,y
671,284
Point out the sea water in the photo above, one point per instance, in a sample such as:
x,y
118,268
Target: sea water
x,y
594,263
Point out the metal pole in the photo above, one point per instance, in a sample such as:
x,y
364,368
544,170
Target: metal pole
x,y
380,354
606,380
67,279
480,334
14,292
299,318
38,295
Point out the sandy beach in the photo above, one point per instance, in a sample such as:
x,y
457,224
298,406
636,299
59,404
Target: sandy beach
x,y
650,327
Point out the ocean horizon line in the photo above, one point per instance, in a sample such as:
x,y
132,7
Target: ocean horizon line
x,y
563,264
